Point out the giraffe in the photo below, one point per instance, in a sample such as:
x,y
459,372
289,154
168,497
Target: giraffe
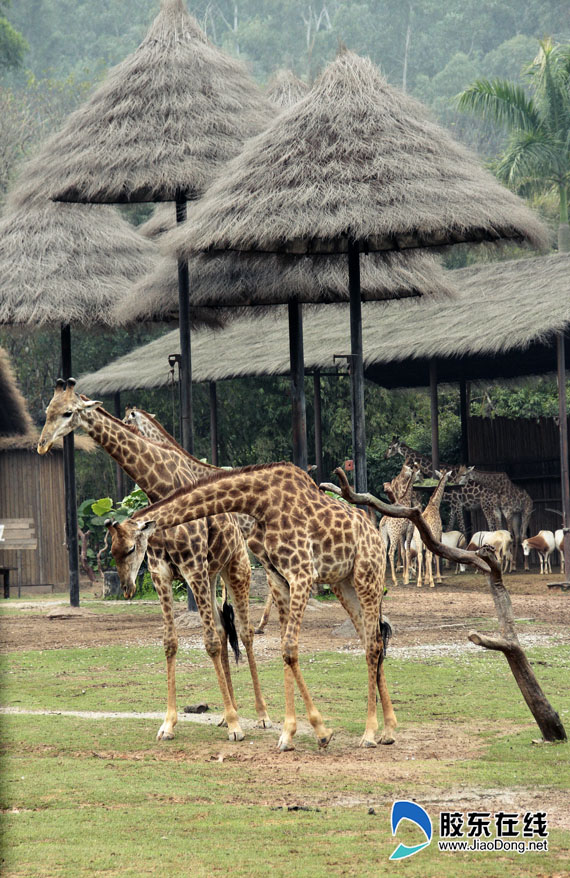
x,y
195,552
467,494
148,426
433,519
308,538
394,529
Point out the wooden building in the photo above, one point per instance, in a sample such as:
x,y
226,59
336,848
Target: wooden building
x,y
31,487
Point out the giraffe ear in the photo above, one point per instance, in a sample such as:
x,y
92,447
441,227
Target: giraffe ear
x,y
91,403
146,527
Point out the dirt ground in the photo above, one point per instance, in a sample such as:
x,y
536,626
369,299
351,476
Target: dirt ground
x,y
420,618
424,620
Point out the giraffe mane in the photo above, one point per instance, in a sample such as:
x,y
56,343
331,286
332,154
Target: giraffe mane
x,y
170,440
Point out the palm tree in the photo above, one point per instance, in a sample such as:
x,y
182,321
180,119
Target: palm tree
x,y
537,155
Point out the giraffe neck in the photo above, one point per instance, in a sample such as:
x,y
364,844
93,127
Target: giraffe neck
x,y
435,499
411,456
138,457
150,428
247,490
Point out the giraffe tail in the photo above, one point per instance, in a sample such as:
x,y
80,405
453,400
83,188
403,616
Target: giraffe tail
x,y
228,621
386,633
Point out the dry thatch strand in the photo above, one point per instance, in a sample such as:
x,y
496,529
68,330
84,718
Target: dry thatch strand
x,y
161,122
501,307
65,263
243,279
354,158
285,89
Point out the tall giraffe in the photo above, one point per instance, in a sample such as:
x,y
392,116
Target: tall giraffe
x,y
195,552
394,530
307,538
433,518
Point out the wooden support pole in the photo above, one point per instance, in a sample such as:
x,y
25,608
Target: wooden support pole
x,y
563,430
71,535
484,559
298,404
318,424
357,369
185,365
119,470
434,415
464,415
213,423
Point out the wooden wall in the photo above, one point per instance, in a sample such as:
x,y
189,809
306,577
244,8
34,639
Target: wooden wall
x,y
528,450
32,487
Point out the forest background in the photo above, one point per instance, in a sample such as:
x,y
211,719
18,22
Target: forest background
x,y
53,52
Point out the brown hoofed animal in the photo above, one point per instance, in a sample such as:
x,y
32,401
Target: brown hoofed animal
x,y
195,552
544,544
307,538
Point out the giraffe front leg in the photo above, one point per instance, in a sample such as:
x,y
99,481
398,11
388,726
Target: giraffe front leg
x,y
162,578
300,590
265,615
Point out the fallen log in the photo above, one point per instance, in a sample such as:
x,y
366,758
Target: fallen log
x,y
484,560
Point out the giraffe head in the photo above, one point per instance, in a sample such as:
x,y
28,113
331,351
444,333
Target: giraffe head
x,y
393,448
463,475
135,418
129,540
63,414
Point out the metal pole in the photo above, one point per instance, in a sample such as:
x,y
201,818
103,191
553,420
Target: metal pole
x,y
464,414
563,428
318,425
357,370
434,415
71,536
298,405
120,479
214,422
186,420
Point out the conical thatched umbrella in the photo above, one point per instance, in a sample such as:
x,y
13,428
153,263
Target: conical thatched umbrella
x,y
354,166
157,129
60,265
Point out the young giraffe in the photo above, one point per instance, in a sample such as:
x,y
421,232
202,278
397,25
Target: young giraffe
x,y
195,552
148,426
433,518
394,529
307,538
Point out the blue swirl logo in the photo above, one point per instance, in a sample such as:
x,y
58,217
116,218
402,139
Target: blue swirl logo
x,y
402,809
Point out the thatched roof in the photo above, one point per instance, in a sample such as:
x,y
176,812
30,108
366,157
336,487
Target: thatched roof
x,y
285,89
355,157
160,123
504,307
17,430
67,263
244,279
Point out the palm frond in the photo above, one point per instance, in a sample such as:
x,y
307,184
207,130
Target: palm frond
x,y
501,101
550,72
529,156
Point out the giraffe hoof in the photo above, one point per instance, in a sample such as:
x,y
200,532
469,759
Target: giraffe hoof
x,y
387,738
165,734
367,742
324,740
263,723
285,743
236,735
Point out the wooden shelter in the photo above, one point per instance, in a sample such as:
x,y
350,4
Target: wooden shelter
x,y
31,488
353,167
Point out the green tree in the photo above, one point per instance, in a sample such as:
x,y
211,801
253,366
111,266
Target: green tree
x,y
12,44
537,155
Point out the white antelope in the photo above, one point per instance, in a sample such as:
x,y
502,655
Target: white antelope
x,y
543,543
454,539
500,540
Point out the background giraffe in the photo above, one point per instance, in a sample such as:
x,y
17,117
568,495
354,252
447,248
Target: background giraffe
x,y
195,552
394,530
433,519
308,538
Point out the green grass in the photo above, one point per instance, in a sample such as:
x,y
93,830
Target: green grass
x,y
83,797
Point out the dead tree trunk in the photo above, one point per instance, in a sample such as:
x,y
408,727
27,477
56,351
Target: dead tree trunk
x,y
484,559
